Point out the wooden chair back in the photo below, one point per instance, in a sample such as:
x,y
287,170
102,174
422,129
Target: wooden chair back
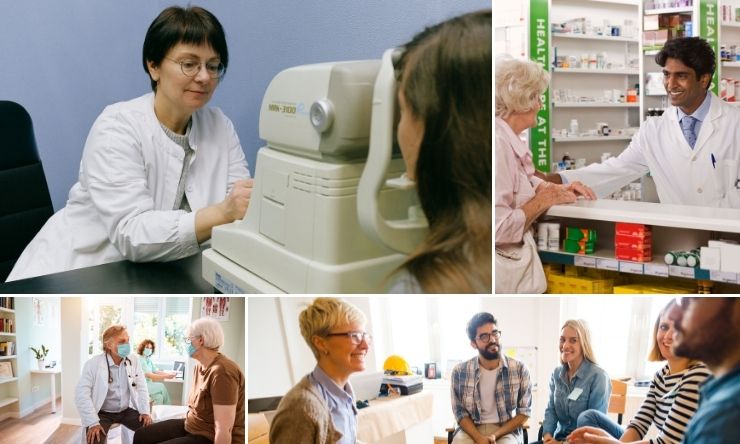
x,y
618,399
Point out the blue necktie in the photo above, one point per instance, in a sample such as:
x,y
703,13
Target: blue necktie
x,y
687,126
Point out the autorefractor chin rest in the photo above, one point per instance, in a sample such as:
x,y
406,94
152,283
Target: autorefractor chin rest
x,y
331,211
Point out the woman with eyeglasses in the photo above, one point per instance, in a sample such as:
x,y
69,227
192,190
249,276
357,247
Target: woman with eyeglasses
x,y
577,385
670,404
158,393
216,400
321,407
112,389
158,172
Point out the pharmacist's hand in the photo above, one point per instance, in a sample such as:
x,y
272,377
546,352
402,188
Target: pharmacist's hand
x,y
590,435
581,190
557,194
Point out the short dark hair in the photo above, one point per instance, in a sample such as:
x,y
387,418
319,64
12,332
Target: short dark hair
x,y
693,52
192,25
142,346
478,320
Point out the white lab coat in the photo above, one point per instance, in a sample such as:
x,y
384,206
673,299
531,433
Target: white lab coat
x,y
682,176
93,386
122,205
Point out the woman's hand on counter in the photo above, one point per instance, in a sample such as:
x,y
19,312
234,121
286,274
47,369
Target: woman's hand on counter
x,y
581,190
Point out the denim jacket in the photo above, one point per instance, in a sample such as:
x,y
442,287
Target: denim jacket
x,y
562,412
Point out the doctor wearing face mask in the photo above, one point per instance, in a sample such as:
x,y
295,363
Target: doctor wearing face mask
x,y
112,389
691,151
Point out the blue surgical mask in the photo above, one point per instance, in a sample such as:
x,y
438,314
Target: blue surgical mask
x,y
147,352
191,349
124,350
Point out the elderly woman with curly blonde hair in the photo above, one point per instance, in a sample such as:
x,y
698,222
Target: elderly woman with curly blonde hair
x,y
521,196
321,407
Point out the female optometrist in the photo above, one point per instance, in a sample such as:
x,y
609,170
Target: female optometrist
x,y
687,149
158,172
112,388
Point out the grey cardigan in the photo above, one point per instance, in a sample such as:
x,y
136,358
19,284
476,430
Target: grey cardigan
x,y
303,417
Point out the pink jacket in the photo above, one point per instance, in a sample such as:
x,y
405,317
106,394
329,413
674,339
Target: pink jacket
x,y
515,183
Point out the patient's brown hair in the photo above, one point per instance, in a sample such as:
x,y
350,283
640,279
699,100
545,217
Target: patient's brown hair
x,y
447,82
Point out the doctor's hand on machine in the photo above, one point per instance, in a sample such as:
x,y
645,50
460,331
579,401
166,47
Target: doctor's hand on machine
x,y
232,208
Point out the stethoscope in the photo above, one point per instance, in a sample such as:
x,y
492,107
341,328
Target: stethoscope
x,y
127,364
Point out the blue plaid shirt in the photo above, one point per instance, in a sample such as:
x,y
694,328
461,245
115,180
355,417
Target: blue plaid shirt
x,y
513,393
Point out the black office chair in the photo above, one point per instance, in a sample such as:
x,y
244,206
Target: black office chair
x,y
25,204
452,431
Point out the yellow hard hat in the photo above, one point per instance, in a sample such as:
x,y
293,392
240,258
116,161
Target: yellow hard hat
x,y
396,365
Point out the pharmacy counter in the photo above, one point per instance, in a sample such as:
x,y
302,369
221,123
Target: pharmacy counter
x,y
674,227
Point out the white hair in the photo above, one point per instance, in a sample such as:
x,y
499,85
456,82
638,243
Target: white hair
x,y
210,330
519,83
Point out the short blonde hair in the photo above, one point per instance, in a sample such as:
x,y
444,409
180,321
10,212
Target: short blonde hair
x,y
210,330
111,332
519,84
584,337
319,318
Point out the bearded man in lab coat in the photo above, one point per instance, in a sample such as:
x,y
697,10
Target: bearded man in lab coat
x,y
112,389
688,147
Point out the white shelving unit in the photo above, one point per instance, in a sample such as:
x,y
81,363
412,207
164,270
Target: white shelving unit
x,y
594,105
729,34
622,58
589,139
9,386
674,227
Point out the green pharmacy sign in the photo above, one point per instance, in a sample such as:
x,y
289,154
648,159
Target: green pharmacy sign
x,y
539,51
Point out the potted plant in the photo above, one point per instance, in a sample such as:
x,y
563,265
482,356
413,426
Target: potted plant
x,y
40,354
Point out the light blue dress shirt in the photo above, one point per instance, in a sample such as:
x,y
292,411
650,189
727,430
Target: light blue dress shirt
x,y
119,393
341,404
589,389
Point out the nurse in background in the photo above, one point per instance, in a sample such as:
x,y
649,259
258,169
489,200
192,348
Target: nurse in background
x,y
157,391
444,132
686,149
158,172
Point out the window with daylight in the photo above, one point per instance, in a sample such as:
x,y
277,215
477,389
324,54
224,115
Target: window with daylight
x,y
163,320
621,330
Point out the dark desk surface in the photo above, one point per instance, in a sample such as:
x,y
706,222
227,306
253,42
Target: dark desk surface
x,y
180,276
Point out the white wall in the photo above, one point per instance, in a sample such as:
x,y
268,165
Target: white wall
x,y
278,355
72,358
35,390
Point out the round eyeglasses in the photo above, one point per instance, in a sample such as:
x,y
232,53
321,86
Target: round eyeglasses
x,y
356,336
191,68
485,337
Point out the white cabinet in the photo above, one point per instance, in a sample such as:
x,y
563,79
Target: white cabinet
x,y
591,94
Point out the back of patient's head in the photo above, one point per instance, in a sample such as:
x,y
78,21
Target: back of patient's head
x,y
446,80
210,330
190,25
111,333
324,314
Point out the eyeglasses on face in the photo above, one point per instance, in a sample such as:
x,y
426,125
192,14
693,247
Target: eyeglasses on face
x,y
356,336
485,337
191,67
189,339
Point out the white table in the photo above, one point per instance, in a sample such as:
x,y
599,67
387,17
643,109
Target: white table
x,y
53,372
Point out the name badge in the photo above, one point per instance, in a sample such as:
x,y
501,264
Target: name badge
x,y
575,394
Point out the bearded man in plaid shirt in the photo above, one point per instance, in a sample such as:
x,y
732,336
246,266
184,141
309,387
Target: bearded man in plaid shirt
x,y
491,393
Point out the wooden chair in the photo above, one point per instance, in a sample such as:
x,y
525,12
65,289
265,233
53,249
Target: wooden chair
x,y
452,431
617,403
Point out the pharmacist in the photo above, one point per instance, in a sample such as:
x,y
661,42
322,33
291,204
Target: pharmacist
x,y
688,148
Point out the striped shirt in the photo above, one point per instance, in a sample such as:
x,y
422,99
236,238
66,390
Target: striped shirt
x,y
513,392
670,403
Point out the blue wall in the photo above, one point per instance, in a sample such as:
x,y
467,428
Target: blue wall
x,y
66,60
